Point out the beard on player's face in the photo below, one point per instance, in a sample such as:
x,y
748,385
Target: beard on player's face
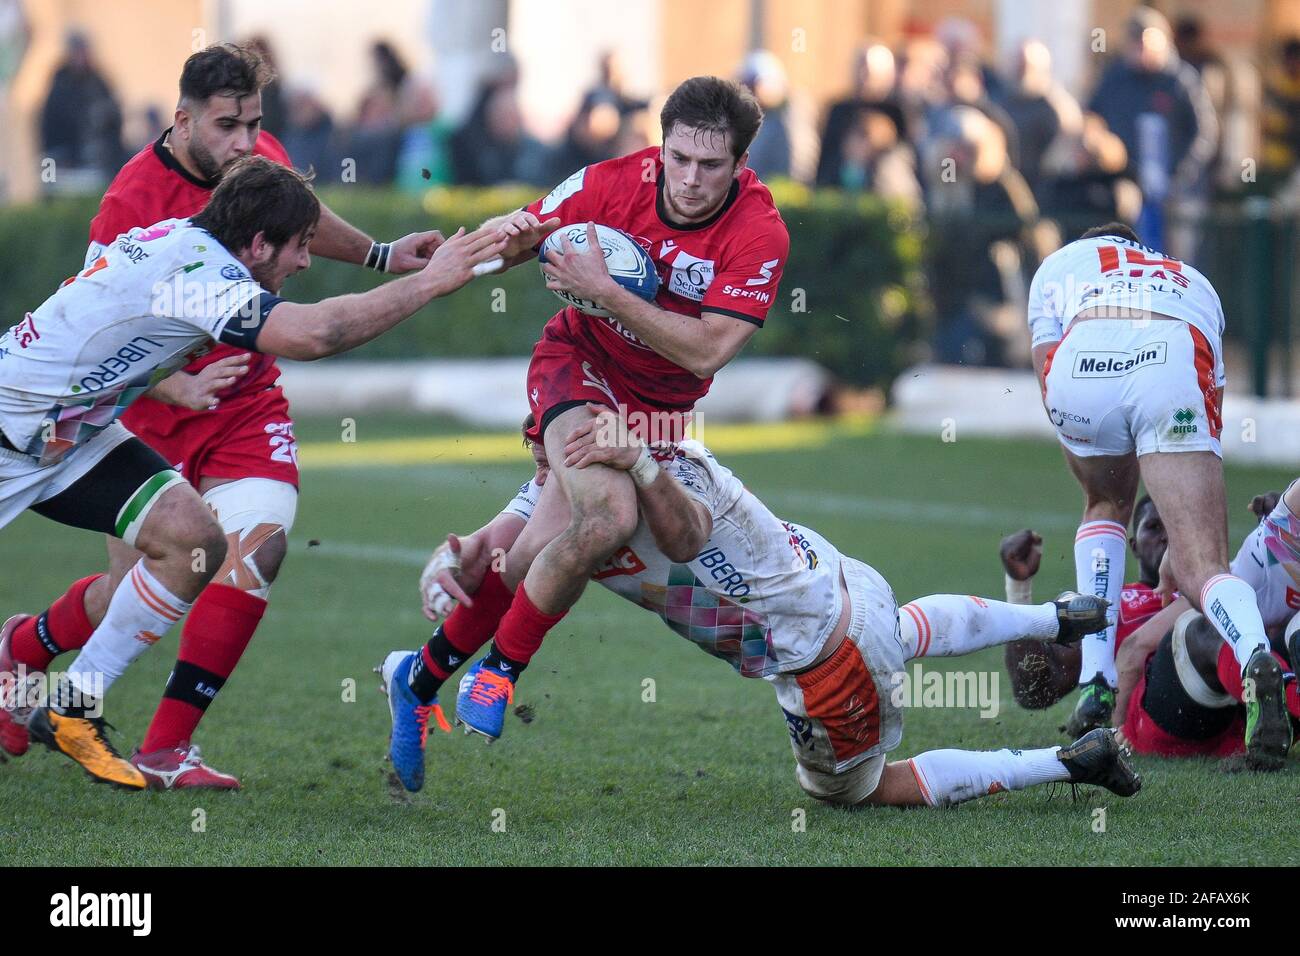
x,y
208,166
275,265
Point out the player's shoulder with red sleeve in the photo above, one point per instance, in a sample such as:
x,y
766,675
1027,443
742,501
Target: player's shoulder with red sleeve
x,y
124,200
270,147
759,218
591,185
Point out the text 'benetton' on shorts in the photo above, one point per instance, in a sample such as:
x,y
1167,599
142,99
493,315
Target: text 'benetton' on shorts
x,y
1119,386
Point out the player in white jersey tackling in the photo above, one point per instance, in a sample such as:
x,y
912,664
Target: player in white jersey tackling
x,y
1127,349
778,601
156,299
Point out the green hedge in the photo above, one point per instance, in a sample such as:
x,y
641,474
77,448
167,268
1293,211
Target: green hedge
x,y
849,298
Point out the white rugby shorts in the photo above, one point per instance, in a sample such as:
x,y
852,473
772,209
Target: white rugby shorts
x,y
1121,386
25,482
839,714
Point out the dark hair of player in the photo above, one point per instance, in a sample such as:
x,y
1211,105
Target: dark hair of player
x,y
714,105
1142,504
257,195
1112,229
224,69
529,422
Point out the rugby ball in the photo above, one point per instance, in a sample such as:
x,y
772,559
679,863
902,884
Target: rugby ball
x,y
628,263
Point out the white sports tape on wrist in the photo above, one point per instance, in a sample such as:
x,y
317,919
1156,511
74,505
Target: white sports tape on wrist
x,y
646,469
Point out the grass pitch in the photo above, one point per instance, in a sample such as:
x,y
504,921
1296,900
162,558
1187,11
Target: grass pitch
x,y
704,774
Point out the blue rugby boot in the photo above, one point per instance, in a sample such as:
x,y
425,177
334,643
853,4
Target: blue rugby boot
x,y
485,693
410,719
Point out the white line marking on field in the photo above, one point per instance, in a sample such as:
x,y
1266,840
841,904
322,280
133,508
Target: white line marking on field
x,y
830,503
898,509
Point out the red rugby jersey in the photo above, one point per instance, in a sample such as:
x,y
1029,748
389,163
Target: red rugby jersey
x,y
730,263
1138,603
154,186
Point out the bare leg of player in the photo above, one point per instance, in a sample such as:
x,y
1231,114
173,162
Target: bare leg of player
x,y
157,590
1188,489
548,522
255,514
1109,486
175,529
602,516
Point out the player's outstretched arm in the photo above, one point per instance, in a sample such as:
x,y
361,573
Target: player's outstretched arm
x,y
300,331
336,238
1041,673
680,524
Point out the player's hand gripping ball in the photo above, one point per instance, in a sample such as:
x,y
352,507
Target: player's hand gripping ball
x,y
629,265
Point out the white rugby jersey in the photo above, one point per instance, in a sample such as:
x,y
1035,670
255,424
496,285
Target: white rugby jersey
x,y
151,302
1112,272
763,594
1269,561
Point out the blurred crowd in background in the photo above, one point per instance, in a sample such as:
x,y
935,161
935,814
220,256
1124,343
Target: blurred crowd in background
x,y
933,125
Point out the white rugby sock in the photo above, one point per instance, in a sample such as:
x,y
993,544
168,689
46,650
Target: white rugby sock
x,y
1229,604
139,613
943,625
1099,551
953,776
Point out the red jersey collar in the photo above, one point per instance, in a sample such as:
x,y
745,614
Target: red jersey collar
x,y
662,210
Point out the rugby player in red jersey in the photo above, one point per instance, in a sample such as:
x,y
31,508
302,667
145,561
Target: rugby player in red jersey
x,y
222,422
719,246
1179,688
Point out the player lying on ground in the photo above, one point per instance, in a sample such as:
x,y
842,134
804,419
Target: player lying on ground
x,y
778,601
223,420
719,245
1179,690
1126,344
153,301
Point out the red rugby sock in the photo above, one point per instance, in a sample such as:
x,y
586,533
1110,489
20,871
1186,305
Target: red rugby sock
x,y
64,627
1230,678
215,636
1229,672
469,628
523,628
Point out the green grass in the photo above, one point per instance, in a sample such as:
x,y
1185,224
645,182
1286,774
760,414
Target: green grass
x,y
702,775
